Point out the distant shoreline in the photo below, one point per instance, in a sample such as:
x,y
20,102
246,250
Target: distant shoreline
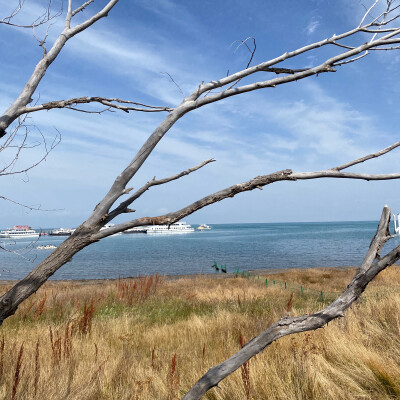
x,y
255,272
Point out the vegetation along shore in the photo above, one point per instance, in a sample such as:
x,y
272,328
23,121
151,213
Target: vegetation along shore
x,y
152,337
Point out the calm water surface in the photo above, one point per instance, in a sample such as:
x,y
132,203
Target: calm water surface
x,y
244,246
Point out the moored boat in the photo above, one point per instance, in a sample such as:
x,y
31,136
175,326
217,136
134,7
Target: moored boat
x,y
18,232
137,229
177,227
203,227
62,232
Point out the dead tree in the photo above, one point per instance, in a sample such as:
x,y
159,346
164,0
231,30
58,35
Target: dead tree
x,y
348,47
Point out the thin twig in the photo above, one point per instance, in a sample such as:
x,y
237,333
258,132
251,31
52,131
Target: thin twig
x,y
173,80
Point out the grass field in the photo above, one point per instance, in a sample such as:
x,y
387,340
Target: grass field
x,y
153,337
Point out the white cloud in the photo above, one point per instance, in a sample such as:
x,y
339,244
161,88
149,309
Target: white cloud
x,y
316,128
312,26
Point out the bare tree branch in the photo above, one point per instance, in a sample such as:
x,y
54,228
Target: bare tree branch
x,y
67,24
368,157
8,169
350,60
257,183
109,102
82,7
123,206
173,81
367,13
25,96
89,22
41,20
289,325
31,208
252,52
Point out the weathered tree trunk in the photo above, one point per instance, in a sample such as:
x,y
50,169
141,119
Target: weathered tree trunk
x,y
10,301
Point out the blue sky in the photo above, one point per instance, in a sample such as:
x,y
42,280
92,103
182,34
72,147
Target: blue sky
x,y
309,125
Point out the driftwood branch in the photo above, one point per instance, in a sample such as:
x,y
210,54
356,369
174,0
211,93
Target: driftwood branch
x,y
290,325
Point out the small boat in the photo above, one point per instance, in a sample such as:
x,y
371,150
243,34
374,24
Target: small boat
x,y
177,227
203,227
18,232
396,220
62,232
46,247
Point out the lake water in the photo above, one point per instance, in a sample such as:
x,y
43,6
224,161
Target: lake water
x,y
243,246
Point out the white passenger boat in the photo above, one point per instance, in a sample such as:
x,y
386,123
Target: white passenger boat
x,y
203,227
18,232
62,232
177,227
137,229
396,220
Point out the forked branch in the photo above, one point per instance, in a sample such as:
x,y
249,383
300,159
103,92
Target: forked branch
x,y
154,182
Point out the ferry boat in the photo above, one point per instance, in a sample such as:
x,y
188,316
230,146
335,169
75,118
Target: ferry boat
x,y
203,227
177,227
19,231
62,232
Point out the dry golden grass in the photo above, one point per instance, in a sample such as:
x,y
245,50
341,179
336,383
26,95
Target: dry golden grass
x,y
152,338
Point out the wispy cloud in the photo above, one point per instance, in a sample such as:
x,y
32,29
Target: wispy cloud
x,y
312,26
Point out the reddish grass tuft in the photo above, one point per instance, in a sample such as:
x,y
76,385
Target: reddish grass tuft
x,y
174,380
37,368
85,322
69,330
153,357
27,309
40,308
18,372
245,371
137,290
290,302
